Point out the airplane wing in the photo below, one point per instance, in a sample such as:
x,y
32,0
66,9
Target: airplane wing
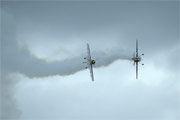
x,y
136,48
91,72
136,70
88,51
90,65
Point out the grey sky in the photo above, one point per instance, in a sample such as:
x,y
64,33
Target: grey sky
x,y
41,41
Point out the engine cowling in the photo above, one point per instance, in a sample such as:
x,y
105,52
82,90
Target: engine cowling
x,y
93,62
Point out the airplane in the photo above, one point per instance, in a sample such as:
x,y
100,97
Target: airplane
x,y
136,58
90,62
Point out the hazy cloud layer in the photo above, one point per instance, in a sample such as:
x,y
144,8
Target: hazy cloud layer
x,y
19,60
32,31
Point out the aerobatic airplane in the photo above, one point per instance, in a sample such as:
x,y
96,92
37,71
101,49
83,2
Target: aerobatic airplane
x,y
136,58
90,62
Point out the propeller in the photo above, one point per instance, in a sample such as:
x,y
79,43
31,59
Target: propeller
x,y
142,55
142,63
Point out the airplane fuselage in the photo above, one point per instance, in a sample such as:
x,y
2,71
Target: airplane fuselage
x,y
136,59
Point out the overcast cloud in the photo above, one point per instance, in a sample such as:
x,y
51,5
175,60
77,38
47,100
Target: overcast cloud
x,y
42,49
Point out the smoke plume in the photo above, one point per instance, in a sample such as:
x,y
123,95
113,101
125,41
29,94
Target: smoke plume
x,y
16,60
24,63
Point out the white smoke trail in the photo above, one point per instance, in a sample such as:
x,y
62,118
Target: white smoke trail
x,y
22,62
16,60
